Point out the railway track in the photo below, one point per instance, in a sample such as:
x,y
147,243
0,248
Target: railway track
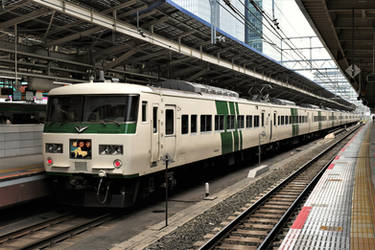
x,y
259,225
52,230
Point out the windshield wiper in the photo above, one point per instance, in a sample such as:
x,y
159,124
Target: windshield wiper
x,y
105,122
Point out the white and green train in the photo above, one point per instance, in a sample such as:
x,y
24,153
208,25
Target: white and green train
x,y
104,142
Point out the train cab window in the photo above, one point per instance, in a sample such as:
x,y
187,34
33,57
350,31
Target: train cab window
x,y
206,123
256,121
219,122
240,121
184,124
169,122
144,111
193,124
249,121
230,122
262,119
155,119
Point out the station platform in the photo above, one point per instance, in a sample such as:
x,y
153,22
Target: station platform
x,y
21,179
340,211
21,164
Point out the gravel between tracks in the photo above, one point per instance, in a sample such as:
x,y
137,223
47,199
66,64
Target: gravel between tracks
x,y
193,231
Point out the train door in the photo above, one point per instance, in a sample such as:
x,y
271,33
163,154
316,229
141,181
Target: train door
x,y
155,135
308,122
273,126
169,141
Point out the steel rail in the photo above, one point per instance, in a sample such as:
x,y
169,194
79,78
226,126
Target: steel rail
x,y
221,234
59,236
34,227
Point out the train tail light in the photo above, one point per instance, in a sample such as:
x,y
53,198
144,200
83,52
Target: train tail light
x,y
49,161
117,163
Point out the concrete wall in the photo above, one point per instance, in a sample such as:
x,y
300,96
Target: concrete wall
x,y
20,139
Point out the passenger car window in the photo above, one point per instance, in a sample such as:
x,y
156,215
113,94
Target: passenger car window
x,y
155,119
144,111
184,124
169,122
219,122
193,124
206,123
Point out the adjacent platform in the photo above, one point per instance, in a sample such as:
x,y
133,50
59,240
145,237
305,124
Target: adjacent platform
x,y
21,165
340,212
20,184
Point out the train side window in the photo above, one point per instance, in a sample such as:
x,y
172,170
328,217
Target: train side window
x,y
144,111
184,124
282,120
155,119
256,121
193,124
240,121
286,120
249,121
262,119
278,120
219,122
230,122
206,123
169,124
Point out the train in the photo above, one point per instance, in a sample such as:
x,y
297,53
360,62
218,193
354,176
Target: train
x,y
106,144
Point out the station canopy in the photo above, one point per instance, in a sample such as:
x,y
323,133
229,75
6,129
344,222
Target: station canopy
x,y
140,41
346,28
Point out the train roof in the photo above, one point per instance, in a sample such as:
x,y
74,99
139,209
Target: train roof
x,y
204,92
99,88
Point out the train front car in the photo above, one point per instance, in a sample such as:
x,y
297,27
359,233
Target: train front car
x,y
89,140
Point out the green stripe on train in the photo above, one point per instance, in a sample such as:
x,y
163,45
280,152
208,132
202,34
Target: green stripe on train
x,y
91,128
240,131
295,125
226,142
226,137
235,132
221,108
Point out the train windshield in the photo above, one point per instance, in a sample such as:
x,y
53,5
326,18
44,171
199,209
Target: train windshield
x,y
98,108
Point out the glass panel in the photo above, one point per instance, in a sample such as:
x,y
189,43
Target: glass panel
x,y
65,108
155,119
110,108
169,123
184,124
193,124
144,111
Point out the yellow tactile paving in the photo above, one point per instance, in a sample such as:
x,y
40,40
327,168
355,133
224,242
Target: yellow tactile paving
x,y
362,233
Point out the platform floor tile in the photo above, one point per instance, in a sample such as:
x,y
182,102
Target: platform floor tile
x,y
327,225
363,206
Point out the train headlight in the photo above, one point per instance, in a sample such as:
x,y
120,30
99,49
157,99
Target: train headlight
x,y
117,163
54,148
111,150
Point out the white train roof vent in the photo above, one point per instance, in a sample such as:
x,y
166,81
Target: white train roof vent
x,y
196,88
